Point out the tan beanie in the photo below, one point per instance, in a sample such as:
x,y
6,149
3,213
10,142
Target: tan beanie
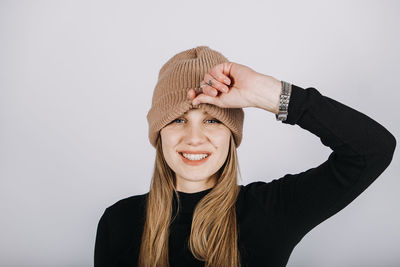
x,y
178,75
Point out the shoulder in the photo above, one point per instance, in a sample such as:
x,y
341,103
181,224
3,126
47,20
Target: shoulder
x,y
128,202
250,193
260,194
275,186
254,188
127,209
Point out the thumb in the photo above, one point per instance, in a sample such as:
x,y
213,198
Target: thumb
x,y
203,98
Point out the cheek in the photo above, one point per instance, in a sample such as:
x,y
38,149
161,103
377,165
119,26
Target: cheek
x,y
169,142
222,141
222,138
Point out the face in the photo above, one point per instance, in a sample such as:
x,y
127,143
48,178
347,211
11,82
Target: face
x,y
195,133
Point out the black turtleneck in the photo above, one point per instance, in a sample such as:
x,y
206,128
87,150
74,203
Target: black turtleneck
x,y
180,230
189,201
272,216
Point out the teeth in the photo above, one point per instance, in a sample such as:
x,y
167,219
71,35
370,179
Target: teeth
x,y
194,156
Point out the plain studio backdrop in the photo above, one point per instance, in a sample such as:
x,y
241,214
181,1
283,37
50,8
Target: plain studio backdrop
x,y
77,77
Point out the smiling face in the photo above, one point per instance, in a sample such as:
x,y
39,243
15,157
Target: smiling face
x,y
199,134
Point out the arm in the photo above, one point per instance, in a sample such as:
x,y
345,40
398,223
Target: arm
x,y
362,150
102,255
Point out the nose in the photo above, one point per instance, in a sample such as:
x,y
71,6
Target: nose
x,y
194,135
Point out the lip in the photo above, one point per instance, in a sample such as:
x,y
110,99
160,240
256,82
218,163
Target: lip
x,y
194,162
195,152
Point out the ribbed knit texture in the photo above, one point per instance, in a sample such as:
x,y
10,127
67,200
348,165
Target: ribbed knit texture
x,y
178,75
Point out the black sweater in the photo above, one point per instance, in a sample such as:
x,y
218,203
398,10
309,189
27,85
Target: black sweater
x,y
272,216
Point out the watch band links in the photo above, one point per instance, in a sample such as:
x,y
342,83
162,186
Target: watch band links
x,y
284,101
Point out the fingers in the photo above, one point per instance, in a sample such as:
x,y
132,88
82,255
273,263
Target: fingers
x,y
209,90
221,72
203,98
213,85
216,80
191,94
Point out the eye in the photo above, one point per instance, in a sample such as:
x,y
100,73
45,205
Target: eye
x,y
177,120
215,120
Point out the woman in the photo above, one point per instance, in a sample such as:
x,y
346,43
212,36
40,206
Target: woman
x,y
195,213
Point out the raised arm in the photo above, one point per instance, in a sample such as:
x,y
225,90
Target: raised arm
x,y
362,150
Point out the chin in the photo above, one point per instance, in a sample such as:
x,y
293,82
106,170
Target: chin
x,y
195,178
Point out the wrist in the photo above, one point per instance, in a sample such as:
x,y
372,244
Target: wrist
x,y
277,94
268,95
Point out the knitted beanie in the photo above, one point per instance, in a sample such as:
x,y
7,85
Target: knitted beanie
x,y
177,76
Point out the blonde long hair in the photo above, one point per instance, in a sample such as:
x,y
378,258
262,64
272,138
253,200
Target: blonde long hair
x,y
213,235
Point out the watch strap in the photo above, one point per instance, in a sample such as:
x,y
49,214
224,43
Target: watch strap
x,y
284,101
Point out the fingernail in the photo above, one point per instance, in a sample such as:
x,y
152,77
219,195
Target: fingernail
x,y
227,81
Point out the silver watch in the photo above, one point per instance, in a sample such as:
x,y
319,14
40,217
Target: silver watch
x,y
284,101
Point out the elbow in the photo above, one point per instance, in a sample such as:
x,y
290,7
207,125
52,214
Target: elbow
x,y
382,142
381,149
388,148
390,145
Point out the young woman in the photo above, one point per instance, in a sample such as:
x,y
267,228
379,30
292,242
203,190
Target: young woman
x,y
195,213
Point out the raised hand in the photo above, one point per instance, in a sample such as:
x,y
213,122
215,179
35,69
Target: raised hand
x,y
232,85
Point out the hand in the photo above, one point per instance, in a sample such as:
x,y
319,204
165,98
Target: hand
x,y
244,88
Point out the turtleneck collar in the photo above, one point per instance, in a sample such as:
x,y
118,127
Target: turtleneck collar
x,y
195,194
190,200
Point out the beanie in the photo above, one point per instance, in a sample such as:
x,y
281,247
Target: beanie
x,y
177,76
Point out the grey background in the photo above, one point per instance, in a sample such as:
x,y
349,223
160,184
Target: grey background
x,y
76,80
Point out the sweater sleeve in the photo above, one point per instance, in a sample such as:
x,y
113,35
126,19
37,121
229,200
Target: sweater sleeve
x,y
102,252
362,150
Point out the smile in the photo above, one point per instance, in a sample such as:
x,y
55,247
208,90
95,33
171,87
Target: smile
x,y
196,160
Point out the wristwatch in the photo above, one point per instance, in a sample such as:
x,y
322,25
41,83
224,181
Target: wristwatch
x,y
284,101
